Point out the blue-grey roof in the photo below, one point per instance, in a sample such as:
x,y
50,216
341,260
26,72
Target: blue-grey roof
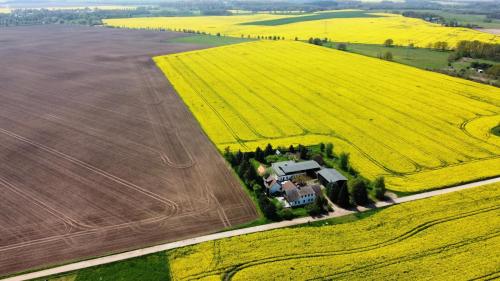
x,y
277,167
332,175
291,167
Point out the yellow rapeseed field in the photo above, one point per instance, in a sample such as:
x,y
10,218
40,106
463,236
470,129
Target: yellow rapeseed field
x,y
448,237
419,129
402,30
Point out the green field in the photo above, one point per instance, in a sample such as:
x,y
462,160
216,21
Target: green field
x,y
422,58
148,268
417,57
464,19
209,40
311,17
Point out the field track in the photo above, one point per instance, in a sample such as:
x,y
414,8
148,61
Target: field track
x,y
97,152
243,231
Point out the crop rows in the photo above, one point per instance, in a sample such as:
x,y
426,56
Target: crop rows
x,y
400,242
391,118
404,31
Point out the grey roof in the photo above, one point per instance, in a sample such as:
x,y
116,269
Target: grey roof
x,y
277,167
306,190
293,194
317,189
332,175
291,167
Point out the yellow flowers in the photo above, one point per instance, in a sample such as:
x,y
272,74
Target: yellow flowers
x,y
409,125
449,237
402,30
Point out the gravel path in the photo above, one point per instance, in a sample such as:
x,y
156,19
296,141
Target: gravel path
x,y
149,250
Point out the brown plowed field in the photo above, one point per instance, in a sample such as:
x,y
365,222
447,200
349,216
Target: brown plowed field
x,y
98,154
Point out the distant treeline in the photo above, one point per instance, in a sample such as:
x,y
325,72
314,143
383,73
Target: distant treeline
x,y
77,16
476,50
434,18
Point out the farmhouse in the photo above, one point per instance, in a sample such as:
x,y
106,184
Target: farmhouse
x,y
272,185
286,170
331,176
298,196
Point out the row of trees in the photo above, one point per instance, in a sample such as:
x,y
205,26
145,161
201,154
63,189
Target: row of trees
x,y
476,49
241,162
317,41
356,192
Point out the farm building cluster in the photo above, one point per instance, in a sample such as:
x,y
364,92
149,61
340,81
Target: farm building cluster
x,y
299,183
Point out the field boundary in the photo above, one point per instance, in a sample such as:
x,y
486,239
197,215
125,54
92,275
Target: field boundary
x,y
216,236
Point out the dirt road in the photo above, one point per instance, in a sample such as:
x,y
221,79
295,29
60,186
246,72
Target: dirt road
x,y
187,242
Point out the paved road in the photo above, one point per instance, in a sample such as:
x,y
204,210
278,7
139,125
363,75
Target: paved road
x,y
150,250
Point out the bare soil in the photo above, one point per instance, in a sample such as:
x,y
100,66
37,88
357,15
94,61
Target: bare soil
x,y
98,154
495,31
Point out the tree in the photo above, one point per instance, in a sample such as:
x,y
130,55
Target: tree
x,y
387,56
296,38
344,161
322,147
250,174
379,188
243,168
228,155
343,197
441,45
321,202
300,180
259,154
303,151
339,194
269,150
317,41
494,71
342,47
312,209
329,150
359,191
257,188
332,191
267,207
291,149
389,42
238,158
318,158
286,214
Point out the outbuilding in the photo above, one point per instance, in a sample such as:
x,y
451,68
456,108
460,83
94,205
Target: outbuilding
x,y
286,170
331,176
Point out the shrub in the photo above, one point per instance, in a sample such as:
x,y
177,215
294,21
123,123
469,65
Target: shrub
x,y
358,192
379,188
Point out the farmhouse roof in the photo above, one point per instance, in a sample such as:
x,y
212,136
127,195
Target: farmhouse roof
x,y
292,194
295,193
306,190
290,167
317,189
332,175
288,185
